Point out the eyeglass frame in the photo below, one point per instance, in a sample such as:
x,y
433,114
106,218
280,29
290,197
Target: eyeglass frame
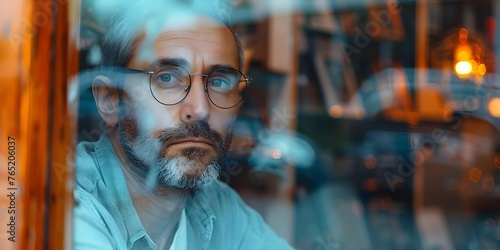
x,y
188,87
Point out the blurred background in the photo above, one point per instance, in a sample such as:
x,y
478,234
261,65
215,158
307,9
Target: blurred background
x,y
369,124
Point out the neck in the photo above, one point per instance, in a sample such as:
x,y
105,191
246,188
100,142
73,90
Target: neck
x,y
159,208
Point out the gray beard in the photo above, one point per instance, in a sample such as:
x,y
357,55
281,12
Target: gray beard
x,y
168,173
145,154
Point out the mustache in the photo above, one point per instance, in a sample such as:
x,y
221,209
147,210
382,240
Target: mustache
x,y
198,129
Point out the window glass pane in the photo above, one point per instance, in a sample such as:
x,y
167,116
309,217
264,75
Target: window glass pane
x,y
363,124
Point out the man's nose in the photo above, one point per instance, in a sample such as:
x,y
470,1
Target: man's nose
x,y
196,106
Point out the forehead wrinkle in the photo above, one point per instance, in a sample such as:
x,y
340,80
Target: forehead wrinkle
x,y
197,39
216,32
212,35
196,53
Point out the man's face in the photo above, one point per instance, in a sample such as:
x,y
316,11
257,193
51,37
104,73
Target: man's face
x,y
182,145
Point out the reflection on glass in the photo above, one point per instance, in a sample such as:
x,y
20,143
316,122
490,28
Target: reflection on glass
x,y
343,139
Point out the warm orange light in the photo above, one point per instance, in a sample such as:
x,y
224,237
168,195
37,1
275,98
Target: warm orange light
x,y
497,161
467,59
463,52
463,55
463,67
475,174
481,69
336,111
494,107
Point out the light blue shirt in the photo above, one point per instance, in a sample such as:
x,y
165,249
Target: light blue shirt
x,y
180,238
105,218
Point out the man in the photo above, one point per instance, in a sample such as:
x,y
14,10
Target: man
x,y
170,93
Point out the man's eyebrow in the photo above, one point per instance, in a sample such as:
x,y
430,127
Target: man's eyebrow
x,y
214,66
181,62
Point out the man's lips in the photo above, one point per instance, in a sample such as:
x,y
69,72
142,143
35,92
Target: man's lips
x,y
193,142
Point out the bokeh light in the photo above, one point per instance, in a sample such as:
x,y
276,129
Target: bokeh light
x,y
494,106
475,174
336,111
463,67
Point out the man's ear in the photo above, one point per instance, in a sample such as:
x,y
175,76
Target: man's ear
x,y
106,98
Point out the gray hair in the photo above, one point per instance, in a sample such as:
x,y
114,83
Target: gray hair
x,y
120,41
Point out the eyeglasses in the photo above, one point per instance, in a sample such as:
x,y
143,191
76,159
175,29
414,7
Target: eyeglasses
x,y
170,85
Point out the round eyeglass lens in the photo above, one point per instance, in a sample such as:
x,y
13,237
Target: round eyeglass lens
x,y
225,86
170,85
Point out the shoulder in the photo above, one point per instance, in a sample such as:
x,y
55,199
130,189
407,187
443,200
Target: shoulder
x,y
94,227
246,226
95,162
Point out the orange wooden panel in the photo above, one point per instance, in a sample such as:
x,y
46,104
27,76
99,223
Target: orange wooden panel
x,y
63,126
14,61
35,111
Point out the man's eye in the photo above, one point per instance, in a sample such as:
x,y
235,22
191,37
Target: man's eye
x,y
220,84
166,77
